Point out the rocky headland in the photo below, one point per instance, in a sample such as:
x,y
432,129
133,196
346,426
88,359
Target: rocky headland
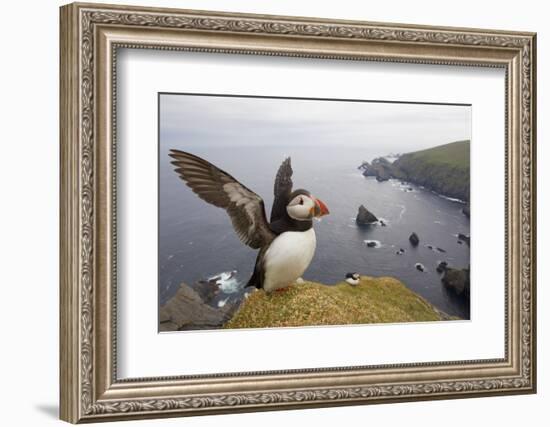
x,y
444,169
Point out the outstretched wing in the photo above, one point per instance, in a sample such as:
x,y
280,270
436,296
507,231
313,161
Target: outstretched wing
x,y
211,184
282,190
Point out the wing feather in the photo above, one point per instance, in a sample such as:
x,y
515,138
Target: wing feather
x,y
282,190
244,207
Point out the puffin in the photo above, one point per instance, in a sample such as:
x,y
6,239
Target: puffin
x,y
353,278
286,242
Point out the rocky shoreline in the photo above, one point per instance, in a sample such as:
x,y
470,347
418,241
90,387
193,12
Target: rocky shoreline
x,y
444,170
191,308
435,169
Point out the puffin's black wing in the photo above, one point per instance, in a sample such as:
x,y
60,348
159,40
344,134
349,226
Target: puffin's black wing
x,y
211,184
282,190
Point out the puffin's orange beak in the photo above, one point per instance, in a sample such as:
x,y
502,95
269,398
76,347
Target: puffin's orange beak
x,y
320,208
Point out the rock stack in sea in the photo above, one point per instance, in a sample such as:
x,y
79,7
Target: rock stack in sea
x,y
458,280
414,239
365,217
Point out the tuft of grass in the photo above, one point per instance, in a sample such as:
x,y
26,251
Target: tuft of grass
x,y
374,300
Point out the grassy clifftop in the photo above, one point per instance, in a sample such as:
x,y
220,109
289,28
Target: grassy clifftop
x,y
374,300
444,169
455,154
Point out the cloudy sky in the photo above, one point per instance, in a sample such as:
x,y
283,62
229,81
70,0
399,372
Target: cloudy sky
x,y
213,121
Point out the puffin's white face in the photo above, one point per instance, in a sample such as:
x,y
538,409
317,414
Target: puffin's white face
x,y
303,208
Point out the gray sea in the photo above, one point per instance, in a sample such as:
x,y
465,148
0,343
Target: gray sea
x,y
196,240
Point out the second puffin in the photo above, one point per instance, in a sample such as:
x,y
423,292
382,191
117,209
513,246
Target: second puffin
x,y
286,243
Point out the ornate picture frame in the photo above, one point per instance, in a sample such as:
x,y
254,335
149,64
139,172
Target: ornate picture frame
x,y
90,37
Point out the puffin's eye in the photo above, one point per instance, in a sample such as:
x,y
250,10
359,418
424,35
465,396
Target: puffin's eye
x,y
301,201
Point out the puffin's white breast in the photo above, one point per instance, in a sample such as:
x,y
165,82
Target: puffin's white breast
x,y
287,258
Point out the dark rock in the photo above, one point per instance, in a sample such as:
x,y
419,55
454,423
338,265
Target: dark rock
x,y
442,266
436,248
464,238
364,166
186,310
367,169
457,280
382,176
365,217
371,244
207,289
382,223
466,210
380,168
467,287
164,316
460,242
413,238
419,267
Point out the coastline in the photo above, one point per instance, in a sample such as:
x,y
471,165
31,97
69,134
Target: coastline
x,y
444,170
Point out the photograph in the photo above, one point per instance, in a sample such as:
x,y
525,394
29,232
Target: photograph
x,y
307,212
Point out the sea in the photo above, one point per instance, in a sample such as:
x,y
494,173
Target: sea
x,y
197,241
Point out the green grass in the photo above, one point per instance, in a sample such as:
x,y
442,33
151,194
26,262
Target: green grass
x,y
444,169
455,154
374,300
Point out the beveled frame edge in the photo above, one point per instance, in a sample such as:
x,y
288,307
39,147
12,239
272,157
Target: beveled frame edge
x,y
89,392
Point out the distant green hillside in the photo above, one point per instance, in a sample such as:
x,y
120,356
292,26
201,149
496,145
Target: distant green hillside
x,y
444,169
456,154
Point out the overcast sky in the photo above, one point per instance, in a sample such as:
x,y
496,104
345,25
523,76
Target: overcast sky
x,y
209,121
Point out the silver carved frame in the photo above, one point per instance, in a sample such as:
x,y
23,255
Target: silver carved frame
x,y
90,36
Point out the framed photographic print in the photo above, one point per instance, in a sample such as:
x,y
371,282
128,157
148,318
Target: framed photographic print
x,y
266,212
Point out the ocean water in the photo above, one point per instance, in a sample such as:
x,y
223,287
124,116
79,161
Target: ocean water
x,y
196,240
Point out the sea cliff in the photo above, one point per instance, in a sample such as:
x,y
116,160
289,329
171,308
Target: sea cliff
x,y
373,300
444,169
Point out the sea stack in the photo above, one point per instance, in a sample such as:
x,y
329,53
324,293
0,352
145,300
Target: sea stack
x,y
457,280
365,217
